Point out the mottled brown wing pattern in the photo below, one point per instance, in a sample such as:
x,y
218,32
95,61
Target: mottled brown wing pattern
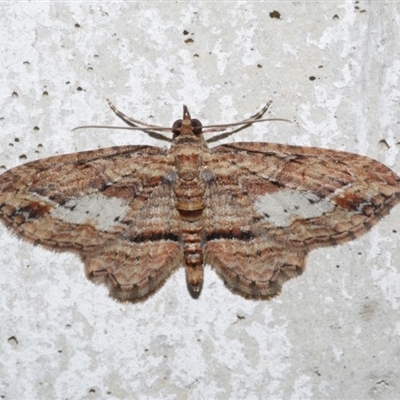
x,y
114,207
270,204
253,211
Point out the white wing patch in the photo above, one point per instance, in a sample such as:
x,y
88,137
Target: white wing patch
x,y
101,211
285,206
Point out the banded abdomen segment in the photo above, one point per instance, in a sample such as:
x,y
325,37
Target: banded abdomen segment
x,y
189,189
193,253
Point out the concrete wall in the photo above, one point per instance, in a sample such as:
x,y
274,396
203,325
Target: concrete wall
x,y
331,67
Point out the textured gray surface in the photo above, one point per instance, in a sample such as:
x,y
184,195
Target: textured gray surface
x,y
333,332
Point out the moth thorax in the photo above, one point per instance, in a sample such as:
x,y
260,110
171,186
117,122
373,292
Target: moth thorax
x,y
188,162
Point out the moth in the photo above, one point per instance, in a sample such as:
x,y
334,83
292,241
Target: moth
x,y
253,211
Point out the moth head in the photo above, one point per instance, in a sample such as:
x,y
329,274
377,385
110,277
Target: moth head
x,y
186,126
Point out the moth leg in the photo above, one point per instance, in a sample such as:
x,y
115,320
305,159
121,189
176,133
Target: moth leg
x,y
129,120
259,114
